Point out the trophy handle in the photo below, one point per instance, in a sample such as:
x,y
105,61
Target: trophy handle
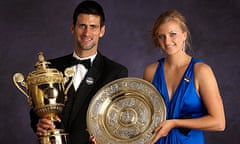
x,y
19,78
68,73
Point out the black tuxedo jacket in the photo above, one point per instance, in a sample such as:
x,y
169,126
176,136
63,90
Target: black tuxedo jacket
x,y
103,71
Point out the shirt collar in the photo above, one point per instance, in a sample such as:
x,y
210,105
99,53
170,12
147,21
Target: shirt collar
x,y
92,57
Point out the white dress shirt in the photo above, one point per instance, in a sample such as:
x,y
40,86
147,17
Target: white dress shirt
x,y
80,70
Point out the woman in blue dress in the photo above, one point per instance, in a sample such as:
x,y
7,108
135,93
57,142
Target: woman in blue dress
x,y
187,84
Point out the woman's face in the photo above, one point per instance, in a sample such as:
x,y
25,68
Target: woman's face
x,y
171,37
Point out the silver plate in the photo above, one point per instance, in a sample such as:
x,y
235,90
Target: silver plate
x,y
125,111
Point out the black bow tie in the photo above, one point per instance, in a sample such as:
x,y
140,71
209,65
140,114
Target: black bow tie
x,y
86,62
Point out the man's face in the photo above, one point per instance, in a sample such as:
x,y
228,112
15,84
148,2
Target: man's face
x,y
87,32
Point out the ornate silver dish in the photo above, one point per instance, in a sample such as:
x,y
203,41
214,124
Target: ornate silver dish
x,y
125,111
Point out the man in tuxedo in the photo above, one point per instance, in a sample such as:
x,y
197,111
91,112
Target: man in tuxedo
x,y
87,28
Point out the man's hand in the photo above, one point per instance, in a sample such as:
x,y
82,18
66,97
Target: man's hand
x,y
92,139
45,124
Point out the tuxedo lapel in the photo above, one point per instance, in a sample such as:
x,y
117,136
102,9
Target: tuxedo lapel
x,y
86,86
68,105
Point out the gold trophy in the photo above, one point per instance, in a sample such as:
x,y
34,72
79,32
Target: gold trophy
x,y
46,94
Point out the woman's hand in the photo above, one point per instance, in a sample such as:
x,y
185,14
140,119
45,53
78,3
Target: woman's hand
x,y
163,129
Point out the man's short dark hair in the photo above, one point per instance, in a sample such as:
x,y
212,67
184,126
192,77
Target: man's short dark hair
x,y
89,7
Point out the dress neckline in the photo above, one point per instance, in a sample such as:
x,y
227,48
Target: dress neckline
x,y
180,82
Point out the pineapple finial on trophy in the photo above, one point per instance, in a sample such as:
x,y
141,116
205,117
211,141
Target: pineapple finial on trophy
x,y
41,63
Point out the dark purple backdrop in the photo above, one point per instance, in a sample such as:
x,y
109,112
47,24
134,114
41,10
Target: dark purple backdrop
x,y
30,26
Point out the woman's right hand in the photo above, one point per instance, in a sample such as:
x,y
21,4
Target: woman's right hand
x,y
163,129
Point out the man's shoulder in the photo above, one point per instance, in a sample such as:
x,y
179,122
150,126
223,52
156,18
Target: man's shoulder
x,y
61,58
111,63
60,62
111,68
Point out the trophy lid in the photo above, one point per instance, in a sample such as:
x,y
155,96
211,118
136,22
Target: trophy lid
x,y
41,63
44,74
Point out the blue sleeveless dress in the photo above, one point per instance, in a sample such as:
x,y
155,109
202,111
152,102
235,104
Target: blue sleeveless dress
x,y
185,103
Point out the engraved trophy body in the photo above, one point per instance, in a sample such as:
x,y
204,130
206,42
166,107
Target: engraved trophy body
x,y
46,94
125,111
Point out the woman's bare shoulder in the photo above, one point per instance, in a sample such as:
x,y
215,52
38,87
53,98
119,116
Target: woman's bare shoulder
x,y
203,75
150,71
201,69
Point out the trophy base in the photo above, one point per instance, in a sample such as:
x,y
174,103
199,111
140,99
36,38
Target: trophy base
x,y
56,136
